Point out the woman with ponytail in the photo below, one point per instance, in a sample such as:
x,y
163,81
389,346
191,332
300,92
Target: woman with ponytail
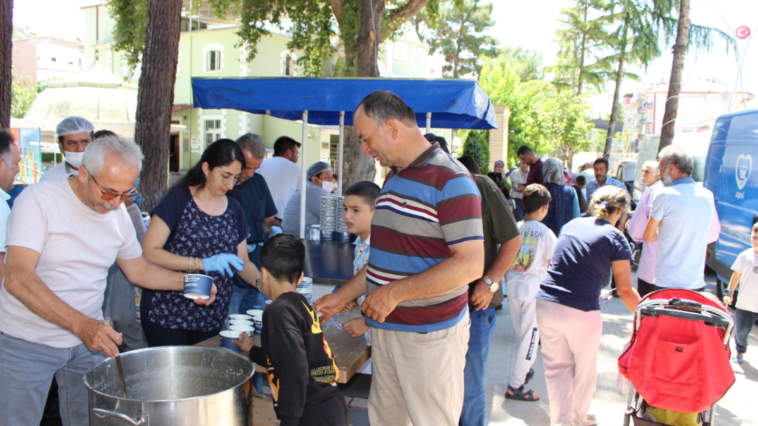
x,y
568,306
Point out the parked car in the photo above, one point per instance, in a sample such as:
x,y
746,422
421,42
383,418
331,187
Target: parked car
x,y
625,173
730,173
695,143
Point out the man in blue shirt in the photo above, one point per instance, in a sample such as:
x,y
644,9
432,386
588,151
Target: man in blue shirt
x,y
259,209
683,220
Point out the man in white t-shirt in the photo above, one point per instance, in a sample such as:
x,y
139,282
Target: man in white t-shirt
x,y
9,158
281,172
523,283
683,220
74,135
62,238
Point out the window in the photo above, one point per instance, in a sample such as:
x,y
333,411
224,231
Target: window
x,y
214,60
401,52
212,131
287,64
213,57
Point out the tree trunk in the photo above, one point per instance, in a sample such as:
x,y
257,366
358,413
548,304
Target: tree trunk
x,y
358,166
675,82
368,43
156,96
6,49
616,94
581,54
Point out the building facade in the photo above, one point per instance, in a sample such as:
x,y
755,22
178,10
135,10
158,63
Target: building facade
x,y
207,48
40,58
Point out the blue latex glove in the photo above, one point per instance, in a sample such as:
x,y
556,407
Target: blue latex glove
x,y
138,200
136,183
224,263
275,230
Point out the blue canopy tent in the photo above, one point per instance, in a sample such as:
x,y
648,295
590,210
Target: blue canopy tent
x,y
445,103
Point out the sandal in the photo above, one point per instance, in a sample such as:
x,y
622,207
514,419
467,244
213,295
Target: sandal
x,y
529,376
520,395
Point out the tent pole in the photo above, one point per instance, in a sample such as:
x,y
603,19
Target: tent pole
x,y
303,156
341,147
428,122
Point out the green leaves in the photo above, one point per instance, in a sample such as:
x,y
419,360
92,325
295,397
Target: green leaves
x,y
131,25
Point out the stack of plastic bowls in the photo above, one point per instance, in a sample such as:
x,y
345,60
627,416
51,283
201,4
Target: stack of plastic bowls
x,y
328,218
257,315
306,289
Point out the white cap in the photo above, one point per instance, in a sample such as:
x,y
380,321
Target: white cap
x,y
73,125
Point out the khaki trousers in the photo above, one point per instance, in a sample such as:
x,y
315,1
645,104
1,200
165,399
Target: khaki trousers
x,y
418,378
570,345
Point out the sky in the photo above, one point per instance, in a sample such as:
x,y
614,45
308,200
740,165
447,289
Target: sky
x,y
528,24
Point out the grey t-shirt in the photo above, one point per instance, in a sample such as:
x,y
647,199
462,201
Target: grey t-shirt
x,y
291,216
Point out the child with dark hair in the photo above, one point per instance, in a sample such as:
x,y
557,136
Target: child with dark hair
x,y
523,283
301,371
360,202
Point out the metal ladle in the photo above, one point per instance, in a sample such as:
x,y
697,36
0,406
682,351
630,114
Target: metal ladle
x,y
119,367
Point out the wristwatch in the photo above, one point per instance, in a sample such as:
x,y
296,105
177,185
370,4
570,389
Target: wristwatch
x,y
494,285
728,292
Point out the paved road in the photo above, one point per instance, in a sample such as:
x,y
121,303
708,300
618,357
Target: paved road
x,y
738,407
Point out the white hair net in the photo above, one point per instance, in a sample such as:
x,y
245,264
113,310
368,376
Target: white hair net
x,y
316,169
73,125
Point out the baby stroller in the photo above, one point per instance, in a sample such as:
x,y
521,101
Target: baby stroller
x,y
678,357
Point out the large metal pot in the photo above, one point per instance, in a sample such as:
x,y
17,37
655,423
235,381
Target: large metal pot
x,y
171,385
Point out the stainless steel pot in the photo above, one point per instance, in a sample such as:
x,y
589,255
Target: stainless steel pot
x,y
172,385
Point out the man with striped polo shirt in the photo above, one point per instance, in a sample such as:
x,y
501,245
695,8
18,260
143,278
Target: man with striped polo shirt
x,y
426,246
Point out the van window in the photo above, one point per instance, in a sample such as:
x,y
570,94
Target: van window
x,y
698,169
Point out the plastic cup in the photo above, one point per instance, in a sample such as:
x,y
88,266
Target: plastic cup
x,y
227,337
197,286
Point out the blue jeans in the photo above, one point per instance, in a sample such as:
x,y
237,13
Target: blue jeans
x,y
26,372
474,398
244,299
518,212
743,321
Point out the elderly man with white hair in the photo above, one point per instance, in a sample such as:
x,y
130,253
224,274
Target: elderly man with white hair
x,y
636,227
74,135
683,221
62,238
320,184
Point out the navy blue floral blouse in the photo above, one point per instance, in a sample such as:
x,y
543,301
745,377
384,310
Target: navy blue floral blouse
x,y
197,234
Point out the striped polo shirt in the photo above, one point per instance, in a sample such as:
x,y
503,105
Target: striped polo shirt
x,y
422,211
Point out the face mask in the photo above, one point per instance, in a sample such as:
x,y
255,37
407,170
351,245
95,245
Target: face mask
x,y
74,158
327,186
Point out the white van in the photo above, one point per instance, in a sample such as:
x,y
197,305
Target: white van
x,y
696,145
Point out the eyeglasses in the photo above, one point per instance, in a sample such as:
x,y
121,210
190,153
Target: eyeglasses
x,y
226,180
107,196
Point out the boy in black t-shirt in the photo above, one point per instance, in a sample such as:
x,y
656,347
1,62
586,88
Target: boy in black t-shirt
x,y
301,370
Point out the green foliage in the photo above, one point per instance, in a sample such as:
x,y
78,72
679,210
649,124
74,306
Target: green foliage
x,y
131,25
526,63
542,117
477,147
582,39
525,101
457,32
568,125
310,23
23,94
